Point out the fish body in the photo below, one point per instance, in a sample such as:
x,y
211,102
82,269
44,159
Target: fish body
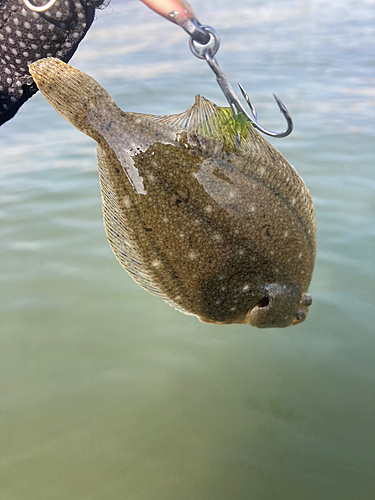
x,y
219,229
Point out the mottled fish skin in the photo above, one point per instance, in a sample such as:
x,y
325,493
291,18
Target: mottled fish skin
x,y
220,230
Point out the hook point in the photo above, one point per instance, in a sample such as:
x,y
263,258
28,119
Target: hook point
x,y
250,104
281,105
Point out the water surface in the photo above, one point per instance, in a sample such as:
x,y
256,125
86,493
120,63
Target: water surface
x,y
107,392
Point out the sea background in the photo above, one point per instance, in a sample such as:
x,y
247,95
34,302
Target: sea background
x,y
108,393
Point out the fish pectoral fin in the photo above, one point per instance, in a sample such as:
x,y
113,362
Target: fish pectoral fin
x,y
191,119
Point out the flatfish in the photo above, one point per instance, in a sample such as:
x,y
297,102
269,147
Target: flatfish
x,y
220,229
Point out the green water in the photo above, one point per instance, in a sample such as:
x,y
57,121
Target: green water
x,y
108,393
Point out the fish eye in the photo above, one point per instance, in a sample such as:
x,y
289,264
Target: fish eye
x,y
264,301
307,299
300,316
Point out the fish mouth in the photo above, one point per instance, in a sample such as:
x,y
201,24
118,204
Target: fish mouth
x,y
281,306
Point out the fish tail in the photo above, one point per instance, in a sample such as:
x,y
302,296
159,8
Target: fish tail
x,y
74,95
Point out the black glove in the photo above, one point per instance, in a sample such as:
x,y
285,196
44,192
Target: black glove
x,y
26,36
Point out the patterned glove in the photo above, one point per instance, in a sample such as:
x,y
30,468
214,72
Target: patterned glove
x,y
26,36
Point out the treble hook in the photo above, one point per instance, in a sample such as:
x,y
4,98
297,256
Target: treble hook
x,y
207,52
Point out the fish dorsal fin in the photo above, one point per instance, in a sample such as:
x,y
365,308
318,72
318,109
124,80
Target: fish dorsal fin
x,y
116,228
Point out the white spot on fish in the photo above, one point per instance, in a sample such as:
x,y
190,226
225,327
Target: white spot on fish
x,y
127,202
208,209
156,263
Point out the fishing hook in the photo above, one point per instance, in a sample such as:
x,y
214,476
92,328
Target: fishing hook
x,y
207,52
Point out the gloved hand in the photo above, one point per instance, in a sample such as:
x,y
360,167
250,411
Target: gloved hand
x,y
26,36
